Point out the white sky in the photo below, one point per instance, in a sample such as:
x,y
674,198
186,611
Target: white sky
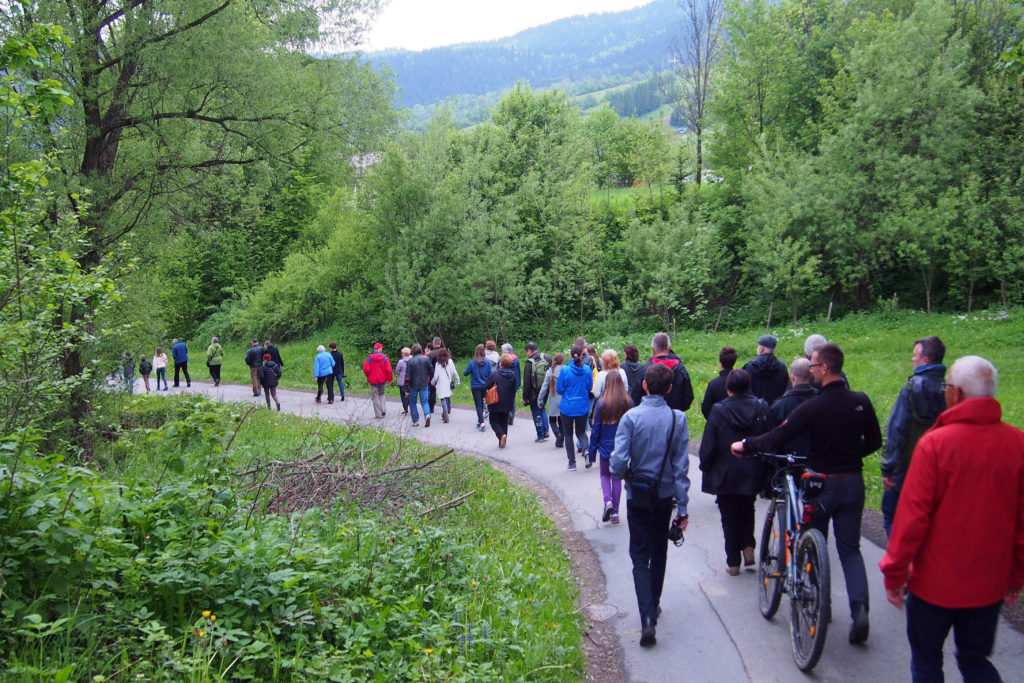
x,y
422,24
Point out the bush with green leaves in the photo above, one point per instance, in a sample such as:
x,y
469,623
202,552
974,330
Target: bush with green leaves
x,y
167,563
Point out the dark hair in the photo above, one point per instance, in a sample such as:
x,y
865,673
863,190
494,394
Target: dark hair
x,y
631,352
614,401
559,359
832,356
266,357
530,346
479,353
577,355
932,348
417,349
727,357
443,356
737,381
659,379
591,350
333,345
580,341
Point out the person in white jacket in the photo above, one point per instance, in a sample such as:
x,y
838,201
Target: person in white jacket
x,y
445,379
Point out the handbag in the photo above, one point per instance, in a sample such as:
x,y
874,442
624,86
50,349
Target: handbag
x,y
644,490
492,395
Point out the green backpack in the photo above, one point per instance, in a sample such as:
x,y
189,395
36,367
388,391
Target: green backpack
x,y
541,363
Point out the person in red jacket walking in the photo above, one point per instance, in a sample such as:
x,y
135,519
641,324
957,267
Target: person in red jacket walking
x,y
957,547
377,369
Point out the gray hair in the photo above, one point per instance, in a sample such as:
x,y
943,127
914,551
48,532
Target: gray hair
x,y
974,376
661,342
506,348
213,340
174,341
813,343
801,370
320,348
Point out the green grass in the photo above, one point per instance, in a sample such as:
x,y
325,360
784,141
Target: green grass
x,y
373,578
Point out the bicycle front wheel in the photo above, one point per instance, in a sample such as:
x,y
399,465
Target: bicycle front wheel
x,y
811,599
771,564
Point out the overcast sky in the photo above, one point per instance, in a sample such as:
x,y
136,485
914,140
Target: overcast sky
x,y
421,24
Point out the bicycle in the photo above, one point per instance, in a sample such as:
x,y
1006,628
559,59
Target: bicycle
x,y
794,558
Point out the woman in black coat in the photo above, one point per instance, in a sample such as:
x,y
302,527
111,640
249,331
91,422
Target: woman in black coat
x,y
498,414
736,481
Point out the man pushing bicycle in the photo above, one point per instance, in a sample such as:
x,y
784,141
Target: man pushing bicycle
x,y
843,430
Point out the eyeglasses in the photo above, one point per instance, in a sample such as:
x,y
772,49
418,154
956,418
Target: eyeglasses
x,y
947,385
814,365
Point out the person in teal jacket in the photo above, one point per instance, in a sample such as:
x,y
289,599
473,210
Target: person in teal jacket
x,y
575,383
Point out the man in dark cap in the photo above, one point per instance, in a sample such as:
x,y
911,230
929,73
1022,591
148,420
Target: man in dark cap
x,y
768,376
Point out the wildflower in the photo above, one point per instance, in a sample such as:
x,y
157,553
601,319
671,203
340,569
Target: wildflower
x,y
213,617
206,613
429,650
202,634
474,583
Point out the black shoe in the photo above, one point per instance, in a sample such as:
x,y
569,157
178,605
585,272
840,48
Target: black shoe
x,y
426,422
648,636
342,398
559,443
860,627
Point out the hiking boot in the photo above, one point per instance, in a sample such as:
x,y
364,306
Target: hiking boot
x,y
501,440
748,557
860,627
559,443
444,417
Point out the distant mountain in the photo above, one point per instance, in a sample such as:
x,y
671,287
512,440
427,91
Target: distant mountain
x,y
593,47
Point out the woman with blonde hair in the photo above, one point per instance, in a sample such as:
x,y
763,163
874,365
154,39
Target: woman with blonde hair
x,y
609,363
160,365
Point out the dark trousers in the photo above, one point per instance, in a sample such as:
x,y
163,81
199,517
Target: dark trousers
x,y
842,501
737,525
432,398
320,382
478,401
974,632
271,392
183,368
499,422
648,547
540,419
556,426
403,393
889,501
215,373
579,424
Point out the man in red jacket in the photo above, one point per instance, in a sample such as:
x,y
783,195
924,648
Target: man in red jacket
x,y
957,540
379,375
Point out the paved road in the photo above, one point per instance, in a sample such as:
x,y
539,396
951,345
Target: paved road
x,y
711,629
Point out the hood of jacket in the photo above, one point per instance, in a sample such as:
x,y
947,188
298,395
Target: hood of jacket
x,y
765,364
741,411
578,371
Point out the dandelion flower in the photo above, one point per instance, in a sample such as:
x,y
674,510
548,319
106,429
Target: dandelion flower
x,y
202,634
213,617
429,650
206,613
474,583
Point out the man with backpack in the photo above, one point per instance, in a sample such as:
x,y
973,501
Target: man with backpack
x,y
918,405
535,369
681,396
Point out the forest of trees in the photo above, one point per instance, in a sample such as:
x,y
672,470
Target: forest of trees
x,y
870,151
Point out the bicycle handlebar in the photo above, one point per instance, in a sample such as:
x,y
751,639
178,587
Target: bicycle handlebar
x,y
781,459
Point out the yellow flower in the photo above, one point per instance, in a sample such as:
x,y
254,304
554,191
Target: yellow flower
x,y
213,617
474,583
206,613
429,650
202,633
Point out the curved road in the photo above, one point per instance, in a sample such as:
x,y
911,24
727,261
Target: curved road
x,y
711,629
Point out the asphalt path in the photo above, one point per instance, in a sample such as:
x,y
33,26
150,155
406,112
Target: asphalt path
x,y
711,629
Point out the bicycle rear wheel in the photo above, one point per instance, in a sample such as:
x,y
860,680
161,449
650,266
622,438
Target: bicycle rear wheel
x,y
811,599
771,563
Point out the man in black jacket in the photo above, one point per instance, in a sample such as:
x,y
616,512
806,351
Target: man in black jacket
x,y
254,359
716,388
768,376
537,364
681,395
417,378
843,430
799,393
275,355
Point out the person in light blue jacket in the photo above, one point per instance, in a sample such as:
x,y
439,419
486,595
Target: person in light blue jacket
x,y
479,371
574,384
323,369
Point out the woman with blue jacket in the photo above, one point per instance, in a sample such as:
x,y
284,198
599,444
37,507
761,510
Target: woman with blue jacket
x,y
323,368
479,371
574,384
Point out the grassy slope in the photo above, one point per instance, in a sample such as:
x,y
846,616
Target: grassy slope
x,y
877,357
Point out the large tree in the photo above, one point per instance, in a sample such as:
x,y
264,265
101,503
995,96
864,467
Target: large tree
x,y
171,94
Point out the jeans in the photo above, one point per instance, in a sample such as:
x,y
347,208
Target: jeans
x,y
330,385
540,419
579,423
478,401
648,548
446,405
889,501
611,486
421,395
129,383
161,374
737,525
974,631
182,367
556,426
842,501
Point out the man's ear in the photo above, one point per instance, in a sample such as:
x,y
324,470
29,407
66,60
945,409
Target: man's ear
x,y
645,388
